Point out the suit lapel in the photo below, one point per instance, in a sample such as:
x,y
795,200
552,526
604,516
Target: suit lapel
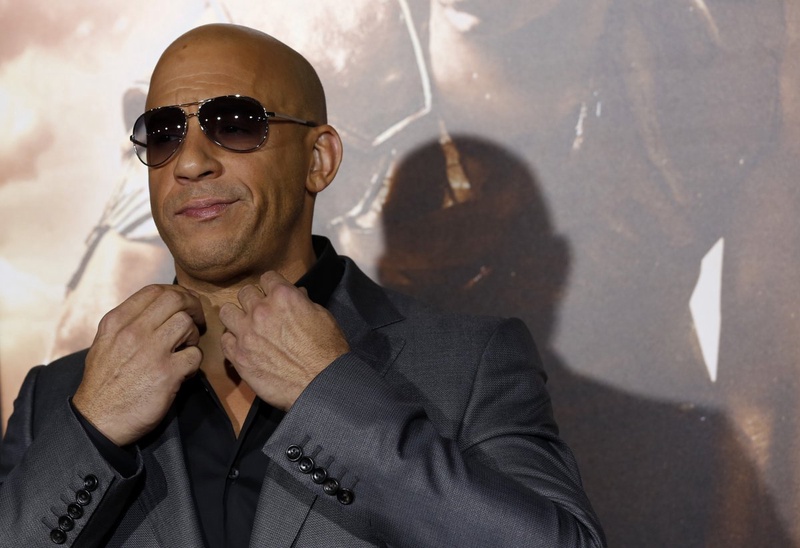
x,y
362,308
167,496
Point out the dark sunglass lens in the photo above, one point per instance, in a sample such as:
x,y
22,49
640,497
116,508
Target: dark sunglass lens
x,y
160,132
236,123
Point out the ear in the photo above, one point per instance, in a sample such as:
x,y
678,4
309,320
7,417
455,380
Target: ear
x,y
325,159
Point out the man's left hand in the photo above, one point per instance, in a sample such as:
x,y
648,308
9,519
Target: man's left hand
x,y
279,340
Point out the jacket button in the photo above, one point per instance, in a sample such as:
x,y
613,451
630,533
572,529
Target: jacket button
x,y
75,511
66,523
331,486
345,496
319,475
58,536
305,465
90,482
294,452
83,497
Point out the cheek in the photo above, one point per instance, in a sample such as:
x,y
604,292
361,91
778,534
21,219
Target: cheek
x,y
158,195
277,188
275,180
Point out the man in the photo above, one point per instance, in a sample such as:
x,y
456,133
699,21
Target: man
x,y
236,407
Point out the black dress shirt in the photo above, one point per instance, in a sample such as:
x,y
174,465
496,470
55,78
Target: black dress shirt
x,y
226,471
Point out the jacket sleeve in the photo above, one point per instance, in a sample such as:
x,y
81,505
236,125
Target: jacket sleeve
x,y
505,478
55,488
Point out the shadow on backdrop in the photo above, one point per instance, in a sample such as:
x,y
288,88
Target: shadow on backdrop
x,y
467,229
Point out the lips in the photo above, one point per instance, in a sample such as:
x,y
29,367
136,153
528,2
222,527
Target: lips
x,y
204,208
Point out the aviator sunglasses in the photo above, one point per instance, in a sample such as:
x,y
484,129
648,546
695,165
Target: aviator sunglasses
x,y
234,122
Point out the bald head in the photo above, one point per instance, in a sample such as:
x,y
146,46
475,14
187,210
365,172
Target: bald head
x,y
286,81
262,199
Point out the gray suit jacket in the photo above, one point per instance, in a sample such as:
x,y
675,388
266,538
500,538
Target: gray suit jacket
x,y
439,424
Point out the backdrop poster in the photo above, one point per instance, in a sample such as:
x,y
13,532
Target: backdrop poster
x,y
621,174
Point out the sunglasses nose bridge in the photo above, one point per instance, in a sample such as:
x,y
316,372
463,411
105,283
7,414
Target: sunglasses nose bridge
x,y
189,116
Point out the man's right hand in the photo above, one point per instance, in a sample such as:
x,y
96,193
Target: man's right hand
x,y
143,351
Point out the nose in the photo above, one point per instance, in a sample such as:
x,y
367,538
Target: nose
x,y
197,157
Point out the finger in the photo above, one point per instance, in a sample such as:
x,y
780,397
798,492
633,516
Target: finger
x,y
281,292
187,361
231,316
178,331
130,309
270,279
171,300
144,297
249,296
191,335
229,347
195,309
190,303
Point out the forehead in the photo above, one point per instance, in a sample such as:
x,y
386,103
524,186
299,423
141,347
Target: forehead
x,y
198,70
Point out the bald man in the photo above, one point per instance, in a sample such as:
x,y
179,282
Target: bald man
x,y
274,395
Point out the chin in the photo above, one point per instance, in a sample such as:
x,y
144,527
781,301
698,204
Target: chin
x,y
212,264
221,275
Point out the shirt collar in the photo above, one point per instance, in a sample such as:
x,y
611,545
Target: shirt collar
x,y
325,274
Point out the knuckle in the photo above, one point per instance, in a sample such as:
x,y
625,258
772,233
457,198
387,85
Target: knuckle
x,y
248,339
183,319
283,291
261,314
127,336
108,322
242,293
170,297
153,290
191,356
228,344
269,276
226,312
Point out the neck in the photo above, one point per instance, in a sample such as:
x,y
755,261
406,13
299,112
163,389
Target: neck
x,y
234,394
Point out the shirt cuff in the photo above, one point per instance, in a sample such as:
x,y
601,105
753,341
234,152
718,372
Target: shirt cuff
x,y
122,459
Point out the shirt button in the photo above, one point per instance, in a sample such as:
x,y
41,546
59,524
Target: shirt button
x,y
233,474
58,536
